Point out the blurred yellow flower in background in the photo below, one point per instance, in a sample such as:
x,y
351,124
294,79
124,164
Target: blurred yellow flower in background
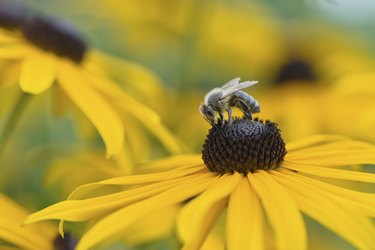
x,y
61,56
36,237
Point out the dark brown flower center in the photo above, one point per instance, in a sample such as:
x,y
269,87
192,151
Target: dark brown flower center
x,y
66,243
296,70
46,32
55,35
12,14
244,146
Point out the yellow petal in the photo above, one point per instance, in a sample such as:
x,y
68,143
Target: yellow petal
x,y
38,72
158,224
142,113
282,211
12,232
213,241
9,37
172,162
245,225
348,222
131,75
308,141
92,104
80,210
203,231
334,158
12,52
198,216
34,237
126,216
364,200
331,173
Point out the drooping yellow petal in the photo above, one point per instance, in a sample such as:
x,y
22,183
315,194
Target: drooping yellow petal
x,y
38,71
93,105
331,173
365,201
130,75
126,216
193,224
142,113
245,225
282,211
348,222
80,210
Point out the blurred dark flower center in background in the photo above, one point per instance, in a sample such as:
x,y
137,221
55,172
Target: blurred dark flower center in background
x,y
48,33
296,70
244,146
55,35
66,243
12,14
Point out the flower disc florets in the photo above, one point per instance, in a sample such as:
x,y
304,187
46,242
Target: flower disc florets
x,y
243,146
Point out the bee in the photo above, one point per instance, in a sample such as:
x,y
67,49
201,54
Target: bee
x,y
221,100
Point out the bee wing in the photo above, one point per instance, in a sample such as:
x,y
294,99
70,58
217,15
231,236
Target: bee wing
x,y
233,89
231,83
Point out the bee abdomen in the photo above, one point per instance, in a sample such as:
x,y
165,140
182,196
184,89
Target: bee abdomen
x,y
245,102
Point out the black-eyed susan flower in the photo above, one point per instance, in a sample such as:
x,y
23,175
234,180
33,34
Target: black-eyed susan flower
x,y
247,174
47,51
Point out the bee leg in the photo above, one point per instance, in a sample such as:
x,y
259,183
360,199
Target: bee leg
x,y
221,118
248,115
230,116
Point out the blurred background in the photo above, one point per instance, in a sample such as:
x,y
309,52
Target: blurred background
x,y
314,60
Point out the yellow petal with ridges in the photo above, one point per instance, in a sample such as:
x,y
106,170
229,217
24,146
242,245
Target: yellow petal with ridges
x,y
313,140
359,198
136,180
80,210
244,224
331,173
38,72
282,211
93,105
126,216
334,158
192,224
83,190
348,222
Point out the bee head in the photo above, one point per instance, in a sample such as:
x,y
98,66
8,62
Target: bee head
x,y
208,113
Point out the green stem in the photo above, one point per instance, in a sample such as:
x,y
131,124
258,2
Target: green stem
x,y
10,122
